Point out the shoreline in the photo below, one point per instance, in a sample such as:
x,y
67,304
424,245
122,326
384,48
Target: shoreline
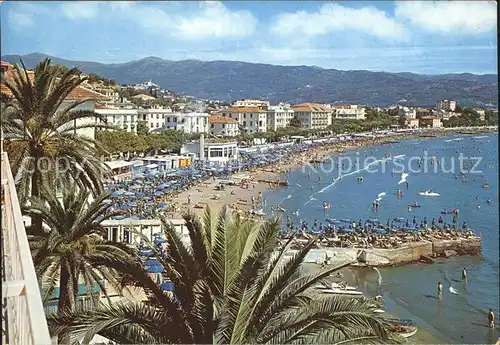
x,y
238,199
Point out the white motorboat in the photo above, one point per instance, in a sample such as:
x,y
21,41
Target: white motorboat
x,y
342,292
429,193
378,311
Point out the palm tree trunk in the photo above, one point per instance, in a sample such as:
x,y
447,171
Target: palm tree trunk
x,y
65,298
36,221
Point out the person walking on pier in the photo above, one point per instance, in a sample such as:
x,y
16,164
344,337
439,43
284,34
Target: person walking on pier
x,y
440,290
491,318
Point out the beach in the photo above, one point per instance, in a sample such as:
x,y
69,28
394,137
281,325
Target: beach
x,y
204,193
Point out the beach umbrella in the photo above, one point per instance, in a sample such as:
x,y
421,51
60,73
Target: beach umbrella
x,y
158,194
162,204
155,269
146,252
373,220
346,220
118,193
107,201
132,204
167,286
149,203
159,240
152,262
129,194
399,219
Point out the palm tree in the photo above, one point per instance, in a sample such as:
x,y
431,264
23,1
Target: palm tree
x,y
71,248
40,129
231,286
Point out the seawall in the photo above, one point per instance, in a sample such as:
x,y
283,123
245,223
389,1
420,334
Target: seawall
x,y
407,253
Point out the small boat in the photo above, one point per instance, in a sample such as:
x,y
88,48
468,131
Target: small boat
x,y
378,311
405,331
414,205
486,185
342,292
454,211
429,193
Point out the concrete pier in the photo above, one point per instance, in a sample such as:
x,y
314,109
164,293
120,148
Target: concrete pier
x,y
405,254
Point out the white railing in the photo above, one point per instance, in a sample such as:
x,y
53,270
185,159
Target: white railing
x,y
23,320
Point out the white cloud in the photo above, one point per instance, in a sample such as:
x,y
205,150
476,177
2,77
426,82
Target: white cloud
x,y
78,10
23,15
449,17
215,20
332,18
210,20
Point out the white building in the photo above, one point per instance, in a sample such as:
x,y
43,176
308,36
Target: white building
x,y
251,103
224,126
123,118
213,152
410,113
446,105
313,115
188,123
252,119
350,112
279,116
155,117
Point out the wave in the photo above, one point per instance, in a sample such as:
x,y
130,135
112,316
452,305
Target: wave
x,y
379,276
449,140
403,178
298,185
458,139
452,290
310,199
288,197
481,137
358,171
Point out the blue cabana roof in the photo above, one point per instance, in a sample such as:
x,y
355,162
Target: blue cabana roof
x,y
156,269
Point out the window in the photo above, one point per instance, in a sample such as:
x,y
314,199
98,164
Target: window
x,y
126,118
175,120
168,119
223,125
157,116
244,116
212,125
162,116
157,125
260,123
244,123
151,125
251,123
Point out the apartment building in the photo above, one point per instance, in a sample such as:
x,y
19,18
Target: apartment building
x,y
122,118
225,126
252,103
410,113
279,116
188,123
154,117
313,115
252,119
446,105
348,112
430,122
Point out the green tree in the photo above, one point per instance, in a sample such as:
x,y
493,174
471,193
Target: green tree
x,y
42,130
295,122
71,248
231,287
142,128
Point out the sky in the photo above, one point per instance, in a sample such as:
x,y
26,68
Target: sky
x,y
430,37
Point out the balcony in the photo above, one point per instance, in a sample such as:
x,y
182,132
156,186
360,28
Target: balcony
x,y
23,320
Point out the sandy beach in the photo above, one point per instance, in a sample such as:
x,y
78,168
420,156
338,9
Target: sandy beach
x,y
238,197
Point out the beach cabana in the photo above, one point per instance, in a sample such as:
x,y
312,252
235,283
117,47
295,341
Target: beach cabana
x,y
152,262
156,269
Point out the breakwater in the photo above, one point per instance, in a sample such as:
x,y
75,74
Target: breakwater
x,y
405,254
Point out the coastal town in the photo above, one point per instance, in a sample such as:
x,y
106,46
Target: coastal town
x,y
222,157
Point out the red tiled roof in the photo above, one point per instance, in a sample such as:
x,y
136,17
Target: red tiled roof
x,y
78,94
220,119
310,107
243,110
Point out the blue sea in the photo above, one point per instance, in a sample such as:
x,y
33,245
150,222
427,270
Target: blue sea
x,y
461,317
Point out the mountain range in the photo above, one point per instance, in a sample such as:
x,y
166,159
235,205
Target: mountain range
x,y
231,80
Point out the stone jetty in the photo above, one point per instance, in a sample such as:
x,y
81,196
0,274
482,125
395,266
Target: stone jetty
x,y
423,251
